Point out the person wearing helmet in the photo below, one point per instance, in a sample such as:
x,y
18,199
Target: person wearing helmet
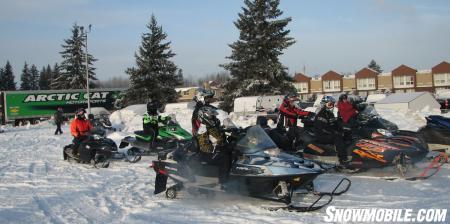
x,y
289,112
80,128
327,130
152,118
203,97
347,111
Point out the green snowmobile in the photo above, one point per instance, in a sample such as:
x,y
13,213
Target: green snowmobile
x,y
170,136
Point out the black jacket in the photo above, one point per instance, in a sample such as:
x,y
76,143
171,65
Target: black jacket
x,y
59,116
325,123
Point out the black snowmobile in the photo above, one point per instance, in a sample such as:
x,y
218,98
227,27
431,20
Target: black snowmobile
x,y
376,143
170,136
437,133
258,169
99,150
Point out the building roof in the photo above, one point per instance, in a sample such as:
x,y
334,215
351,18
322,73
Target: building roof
x,y
332,75
366,73
403,70
443,67
299,77
401,97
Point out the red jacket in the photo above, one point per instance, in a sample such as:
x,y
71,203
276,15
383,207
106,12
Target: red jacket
x,y
291,113
80,127
346,110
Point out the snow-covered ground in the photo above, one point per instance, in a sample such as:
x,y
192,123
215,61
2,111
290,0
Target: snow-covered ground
x,y
38,186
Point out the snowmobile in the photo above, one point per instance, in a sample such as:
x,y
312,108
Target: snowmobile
x,y
169,136
376,143
258,169
437,132
99,150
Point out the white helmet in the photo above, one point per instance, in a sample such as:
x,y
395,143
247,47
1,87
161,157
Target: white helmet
x,y
203,95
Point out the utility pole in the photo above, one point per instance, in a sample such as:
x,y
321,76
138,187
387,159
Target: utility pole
x,y
85,33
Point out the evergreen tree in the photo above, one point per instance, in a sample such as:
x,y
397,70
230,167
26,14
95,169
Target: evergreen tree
x,y
374,66
73,67
45,77
25,78
34,78
255,68
7,78
55,74
155,75
2,82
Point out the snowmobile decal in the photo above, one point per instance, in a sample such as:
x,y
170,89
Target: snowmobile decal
x,y
370,155
316,148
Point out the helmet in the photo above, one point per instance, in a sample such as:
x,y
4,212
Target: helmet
x,y
343,97
292,96
328,100
207,115
203,95
155,106
90,116
80,113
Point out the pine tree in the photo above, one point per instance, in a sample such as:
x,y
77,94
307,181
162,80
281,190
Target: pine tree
x,y
8,78
374,66
255,68
155,75
2,80
25,78
55,74
45,77
73,67
34,78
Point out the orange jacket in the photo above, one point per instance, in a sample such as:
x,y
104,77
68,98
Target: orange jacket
x,y
80,127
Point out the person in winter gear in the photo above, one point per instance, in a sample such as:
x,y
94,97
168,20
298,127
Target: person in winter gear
x,y
152,119
59,119
289,113
347,110
202,98
327,130
80,128
211,139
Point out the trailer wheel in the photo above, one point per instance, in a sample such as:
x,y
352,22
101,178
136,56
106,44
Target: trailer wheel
x,y
171,193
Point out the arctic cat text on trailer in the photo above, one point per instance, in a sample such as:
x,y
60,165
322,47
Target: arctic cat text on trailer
x,y
17,106
258,169
170,136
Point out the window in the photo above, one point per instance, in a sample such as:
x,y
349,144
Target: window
x,y
302,87
332,86
442,79
365,84
405,81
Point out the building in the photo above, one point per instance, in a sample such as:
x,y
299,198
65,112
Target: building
x,y
186,93
367,81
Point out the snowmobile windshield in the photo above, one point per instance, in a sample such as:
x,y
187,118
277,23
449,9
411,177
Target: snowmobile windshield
x,y
369,111
255,140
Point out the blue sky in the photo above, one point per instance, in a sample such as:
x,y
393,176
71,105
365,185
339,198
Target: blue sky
x,y
331,35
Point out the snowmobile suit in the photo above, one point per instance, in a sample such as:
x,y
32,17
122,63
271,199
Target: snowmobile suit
x,y
80,129
327,131
194,120
59,118
151,123
289,114
347,111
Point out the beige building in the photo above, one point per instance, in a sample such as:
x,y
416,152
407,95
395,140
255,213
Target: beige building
x,y
186,93
367,81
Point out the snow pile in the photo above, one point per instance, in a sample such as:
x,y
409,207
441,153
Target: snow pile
x,y
373,98
408,120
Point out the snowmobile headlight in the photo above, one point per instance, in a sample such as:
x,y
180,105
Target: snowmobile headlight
x,y
272,151
384,132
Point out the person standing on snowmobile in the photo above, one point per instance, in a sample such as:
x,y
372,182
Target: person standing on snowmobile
x,y
328,131
152,118
206,129
59,119
289,113
80,128
347,111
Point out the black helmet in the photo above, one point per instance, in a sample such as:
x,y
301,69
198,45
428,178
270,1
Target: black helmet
x,y
291,97
154,106
80,113
207,115
328,99
343,97
203,95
